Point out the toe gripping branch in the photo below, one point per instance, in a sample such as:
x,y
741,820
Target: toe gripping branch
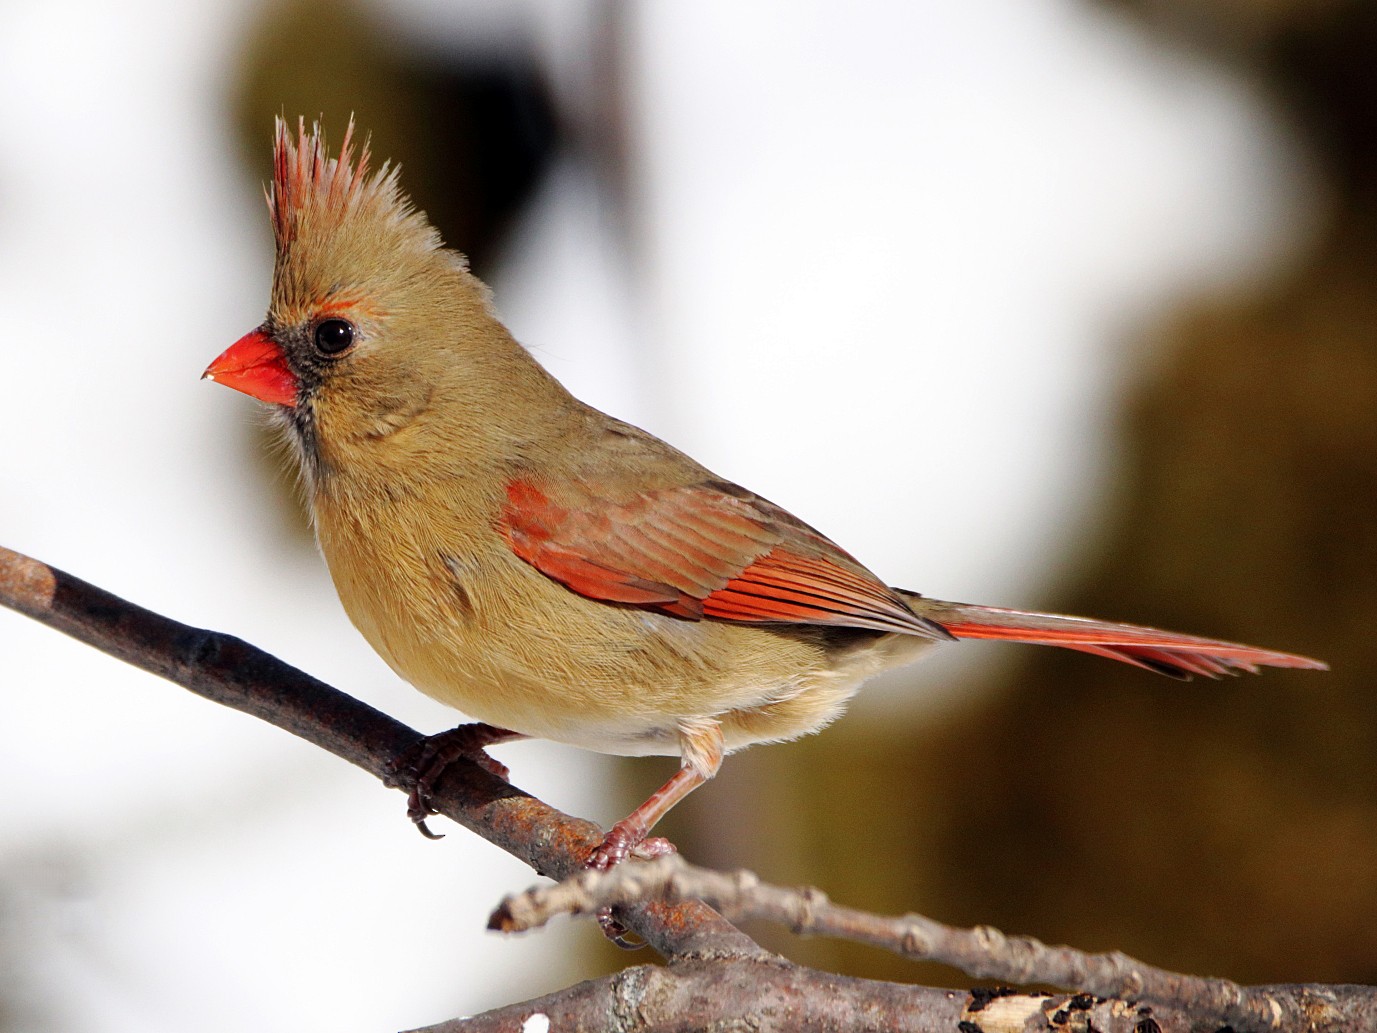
x,y
420,767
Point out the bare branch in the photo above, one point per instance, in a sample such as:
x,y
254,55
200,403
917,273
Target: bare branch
x,y
232,672
982,952
718,976
775,997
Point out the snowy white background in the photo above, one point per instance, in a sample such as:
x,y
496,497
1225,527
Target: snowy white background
x,y
892,257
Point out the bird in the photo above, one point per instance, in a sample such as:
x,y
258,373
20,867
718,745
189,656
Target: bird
x,y
545,568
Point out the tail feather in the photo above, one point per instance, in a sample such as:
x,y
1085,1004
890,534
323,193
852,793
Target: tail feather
x,y
1166,652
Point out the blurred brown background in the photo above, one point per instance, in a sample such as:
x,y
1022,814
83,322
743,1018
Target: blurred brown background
x,y
1215,827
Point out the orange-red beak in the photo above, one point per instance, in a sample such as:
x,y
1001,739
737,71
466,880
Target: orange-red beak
x,y
255,365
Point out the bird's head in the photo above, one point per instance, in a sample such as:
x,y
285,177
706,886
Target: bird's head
x,y
370,314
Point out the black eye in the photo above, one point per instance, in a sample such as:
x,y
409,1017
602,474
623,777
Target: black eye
x,y
334,336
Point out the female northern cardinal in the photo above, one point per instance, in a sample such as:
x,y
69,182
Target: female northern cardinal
x,y
542,566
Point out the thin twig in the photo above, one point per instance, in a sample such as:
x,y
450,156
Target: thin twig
x,y
982,952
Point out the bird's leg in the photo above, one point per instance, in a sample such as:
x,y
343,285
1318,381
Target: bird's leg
x,y
419,767
628,836
700,746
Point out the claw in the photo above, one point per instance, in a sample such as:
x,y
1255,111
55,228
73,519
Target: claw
x,y
418,809
419,767
619,934
624,840
652,847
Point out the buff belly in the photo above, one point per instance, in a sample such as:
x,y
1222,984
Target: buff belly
x,y
495,639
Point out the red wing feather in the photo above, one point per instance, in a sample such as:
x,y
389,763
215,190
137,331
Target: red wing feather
x,y
712,550
702,550
782,586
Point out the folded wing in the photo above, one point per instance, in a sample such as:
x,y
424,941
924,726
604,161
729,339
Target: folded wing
x,y
705,550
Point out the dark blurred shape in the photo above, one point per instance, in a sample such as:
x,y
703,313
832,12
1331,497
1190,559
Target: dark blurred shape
x,y
476,131
1230,827
1327,68
1318,57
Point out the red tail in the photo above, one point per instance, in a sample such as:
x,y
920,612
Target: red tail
x,y
1165,652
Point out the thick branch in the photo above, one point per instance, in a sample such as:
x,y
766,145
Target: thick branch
x,y
232,672
760,996
770,997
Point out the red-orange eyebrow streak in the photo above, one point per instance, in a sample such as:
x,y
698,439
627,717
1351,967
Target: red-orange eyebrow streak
x,y
346,306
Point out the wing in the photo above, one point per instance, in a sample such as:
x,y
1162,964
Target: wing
x,y
705,550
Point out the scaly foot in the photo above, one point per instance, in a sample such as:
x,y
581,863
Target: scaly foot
x,y
625,839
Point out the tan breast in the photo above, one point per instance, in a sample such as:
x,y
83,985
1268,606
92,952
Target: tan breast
x,y
456,614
